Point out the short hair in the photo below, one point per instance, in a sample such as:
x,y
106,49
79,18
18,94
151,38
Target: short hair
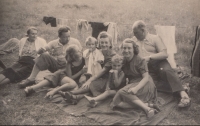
x,y
138,24
117,59
29,30
70,51
135,46
104,34
63,29
91,39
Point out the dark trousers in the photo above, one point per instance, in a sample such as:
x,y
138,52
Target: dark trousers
x,y
164,76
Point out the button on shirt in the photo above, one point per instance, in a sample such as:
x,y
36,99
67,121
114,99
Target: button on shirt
x,y
58,50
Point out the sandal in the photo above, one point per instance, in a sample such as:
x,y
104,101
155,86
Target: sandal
x,y
155,106
184,102
28,91
92,104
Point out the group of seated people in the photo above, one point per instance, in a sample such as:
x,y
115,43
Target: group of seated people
x,y
97,72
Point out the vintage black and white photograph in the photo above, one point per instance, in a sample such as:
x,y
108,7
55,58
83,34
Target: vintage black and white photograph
x,y
99,62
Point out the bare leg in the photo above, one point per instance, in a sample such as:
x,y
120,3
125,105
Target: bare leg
x,y
80,91
41,84
183,94
102,96
34,73
3,80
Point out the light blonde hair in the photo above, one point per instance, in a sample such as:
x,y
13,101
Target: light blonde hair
x,y
91,39
117,59
138,24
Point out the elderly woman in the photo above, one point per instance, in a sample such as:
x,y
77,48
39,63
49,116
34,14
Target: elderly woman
x,y
140,88
63,80
154,51
28,47
96,84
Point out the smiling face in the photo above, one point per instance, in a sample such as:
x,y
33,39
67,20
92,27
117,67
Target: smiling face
x,y
104,43
32,35
127,50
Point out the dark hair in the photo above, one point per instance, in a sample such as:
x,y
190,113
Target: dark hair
x,y
135,46
29,30
104,34
70,51
63,29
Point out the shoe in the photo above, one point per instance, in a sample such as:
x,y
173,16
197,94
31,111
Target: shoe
x,y
151,112
25,83
92,104
184,102
29,91
155,106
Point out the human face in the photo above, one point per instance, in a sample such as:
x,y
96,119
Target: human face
x,y
65,37
77,56
139,33
127,50
104,43
91,45
32,35
116,66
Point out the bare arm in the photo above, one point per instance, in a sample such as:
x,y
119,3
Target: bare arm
x,y
118,79
102,72
141,84
160,48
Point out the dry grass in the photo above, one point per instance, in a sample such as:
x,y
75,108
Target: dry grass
x,y
18,15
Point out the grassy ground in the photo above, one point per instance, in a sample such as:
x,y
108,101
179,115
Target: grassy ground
x,y
18,15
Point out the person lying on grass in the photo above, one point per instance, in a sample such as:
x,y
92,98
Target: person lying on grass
x,y
28,47
116,81
63,80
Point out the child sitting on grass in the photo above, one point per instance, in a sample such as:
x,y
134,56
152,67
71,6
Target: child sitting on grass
x,y
93,59
115,81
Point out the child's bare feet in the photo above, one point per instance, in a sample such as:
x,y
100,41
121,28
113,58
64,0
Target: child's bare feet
x,y
88,98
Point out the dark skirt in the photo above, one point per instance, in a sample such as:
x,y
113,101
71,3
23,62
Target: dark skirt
x,y
164,76
19,70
